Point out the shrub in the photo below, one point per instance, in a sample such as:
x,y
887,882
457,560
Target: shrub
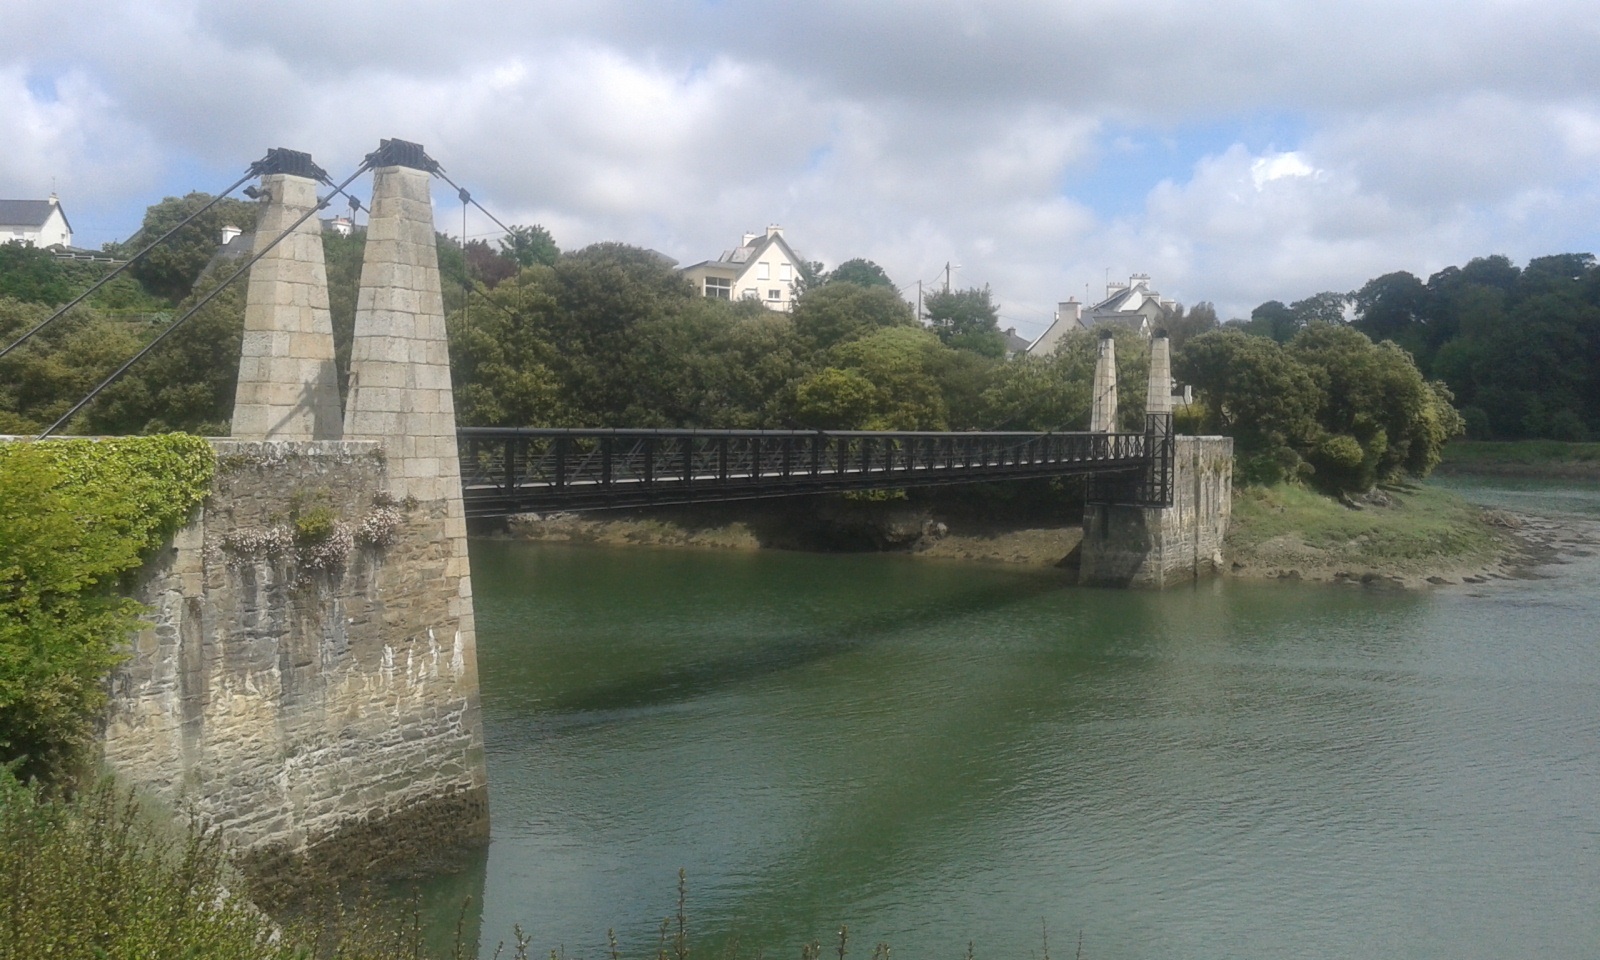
x,y
94,876
1340,463
76,518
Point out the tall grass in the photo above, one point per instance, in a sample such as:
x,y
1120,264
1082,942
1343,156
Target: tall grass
x,y
1421,525
95,876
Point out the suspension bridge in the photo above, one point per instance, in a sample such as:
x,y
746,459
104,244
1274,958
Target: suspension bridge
x,y
287,387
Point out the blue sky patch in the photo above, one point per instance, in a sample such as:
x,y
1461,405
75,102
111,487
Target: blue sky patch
x,y
43,87
1132,160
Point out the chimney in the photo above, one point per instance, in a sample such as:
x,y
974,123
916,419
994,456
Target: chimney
x,y
1071,311
773,230
228,233
749,238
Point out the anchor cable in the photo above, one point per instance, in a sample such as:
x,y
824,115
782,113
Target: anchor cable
x,y
210,295
255,169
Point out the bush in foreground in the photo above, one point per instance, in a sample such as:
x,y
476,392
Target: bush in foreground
x,y
94,876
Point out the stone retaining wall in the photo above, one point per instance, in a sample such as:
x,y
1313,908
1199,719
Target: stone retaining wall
x,y
309,694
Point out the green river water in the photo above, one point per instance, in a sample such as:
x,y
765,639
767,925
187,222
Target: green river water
x,y
937,753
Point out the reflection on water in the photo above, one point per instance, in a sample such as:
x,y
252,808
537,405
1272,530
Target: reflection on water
x,y
936,753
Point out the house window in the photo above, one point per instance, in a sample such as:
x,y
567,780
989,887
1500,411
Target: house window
x,y
719,288
750,293
785,272
774,294
763,271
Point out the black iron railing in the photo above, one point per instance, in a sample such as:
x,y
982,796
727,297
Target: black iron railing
x,y
512,470
1150,487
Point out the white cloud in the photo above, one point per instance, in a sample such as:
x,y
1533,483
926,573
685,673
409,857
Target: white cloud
x,y
913,133
1264,170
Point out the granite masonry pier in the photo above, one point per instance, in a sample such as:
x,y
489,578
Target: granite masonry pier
x,y
1128,545
1134,544
309,686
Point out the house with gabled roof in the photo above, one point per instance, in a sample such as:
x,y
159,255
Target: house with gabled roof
x,y
763,267
1132,306
37,223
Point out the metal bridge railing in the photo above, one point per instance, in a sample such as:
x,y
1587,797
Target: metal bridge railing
x,y
506,470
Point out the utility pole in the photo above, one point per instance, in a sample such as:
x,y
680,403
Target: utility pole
x,y
919,302
947,276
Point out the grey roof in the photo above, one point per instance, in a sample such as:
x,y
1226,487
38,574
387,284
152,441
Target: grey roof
x,y
27,213
1014,343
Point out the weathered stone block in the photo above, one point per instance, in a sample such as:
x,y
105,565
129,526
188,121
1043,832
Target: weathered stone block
x,y
1127,545
301,708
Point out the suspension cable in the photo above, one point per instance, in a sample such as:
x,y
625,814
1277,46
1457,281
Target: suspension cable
x,y
108,381
466,198
254,171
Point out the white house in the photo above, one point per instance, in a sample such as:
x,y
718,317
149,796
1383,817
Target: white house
x,y
1132,305
762,267
38,223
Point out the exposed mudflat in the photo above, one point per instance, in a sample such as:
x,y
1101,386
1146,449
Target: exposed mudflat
x,y
1517,546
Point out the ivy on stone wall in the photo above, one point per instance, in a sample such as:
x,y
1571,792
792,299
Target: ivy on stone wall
x,y
77,519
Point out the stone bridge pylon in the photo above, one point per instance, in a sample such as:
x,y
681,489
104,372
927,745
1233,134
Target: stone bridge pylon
x,y
310,683
1132,538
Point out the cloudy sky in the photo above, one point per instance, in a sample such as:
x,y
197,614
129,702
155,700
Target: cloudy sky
x,y
1235,150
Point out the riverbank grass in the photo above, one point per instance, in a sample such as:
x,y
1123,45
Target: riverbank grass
x,y
1400,532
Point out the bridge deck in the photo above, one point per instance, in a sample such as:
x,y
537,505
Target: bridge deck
x,y
519,470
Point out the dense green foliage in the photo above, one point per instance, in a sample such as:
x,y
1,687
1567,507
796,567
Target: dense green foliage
x,y
1519,348
1330,405
861,272
967,320
76,518
171,269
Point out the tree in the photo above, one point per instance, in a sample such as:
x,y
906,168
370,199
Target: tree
x,y
1251,390
1373,395
1325,307
1184,326
837,312
171,269
487,266
1274,321
528,245
187,383
885,380
501,362
1042,393
966,320
862,272
32,275
604,294
1387,307
43,378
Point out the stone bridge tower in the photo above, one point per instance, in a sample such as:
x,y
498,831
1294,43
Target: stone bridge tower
x,y
310,685
1130,539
